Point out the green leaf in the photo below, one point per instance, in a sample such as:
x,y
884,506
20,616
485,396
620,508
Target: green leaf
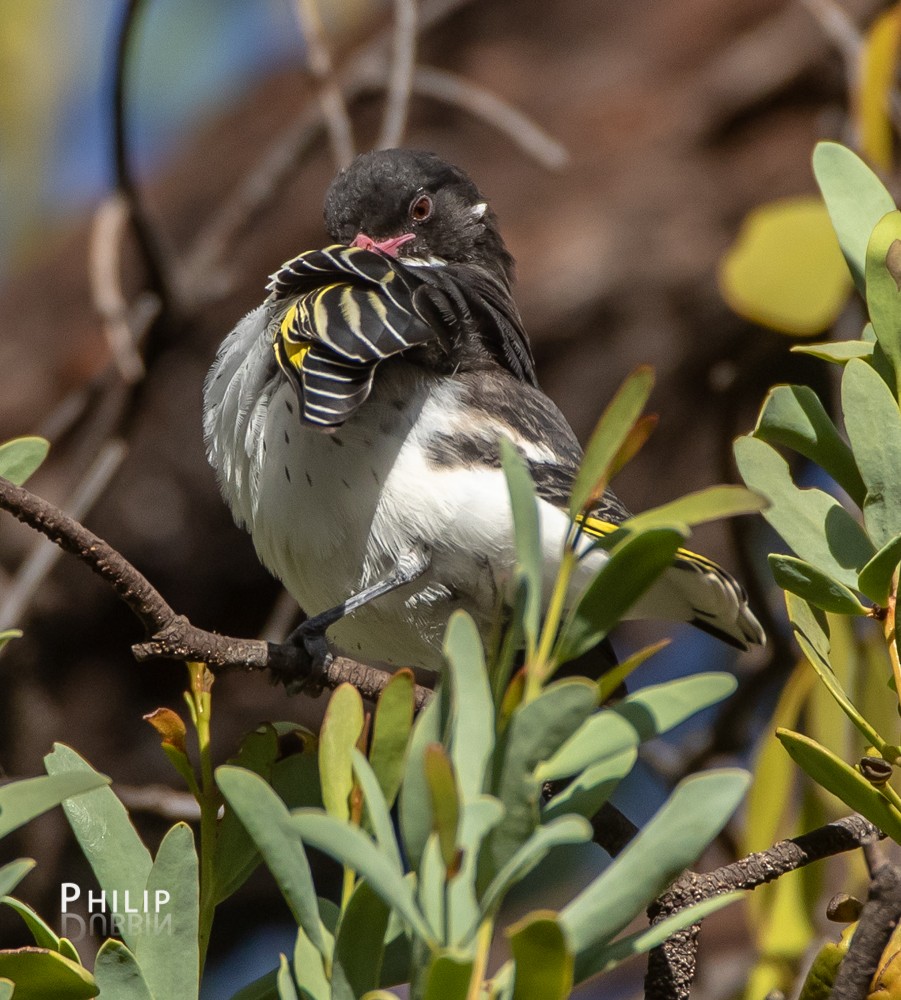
x,y
633,565
338,737
814,644
884,288
785,270
811,585
705,505
23,800
602,737
544,964
535,731
285,981
843,781
815,525
856,200
609,956
556,833
793,416
351,847
688,821
642,716
415,810
439,774
875,578
309,972
611,679
873,423
448,976
527,532
170,958
266,818
472,707
837,352
120,861
12,874
21,457
236,856
40,974
41,932
377,807
479,818
360,940
609,436
391,728
118,973
657,708
589,790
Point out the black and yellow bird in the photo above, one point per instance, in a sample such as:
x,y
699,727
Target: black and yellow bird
x,y
354,421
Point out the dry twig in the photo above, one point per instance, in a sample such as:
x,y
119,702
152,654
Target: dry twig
x,y
400,76
172,636
671,967
331,99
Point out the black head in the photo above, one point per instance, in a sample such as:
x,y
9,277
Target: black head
x,y
405,192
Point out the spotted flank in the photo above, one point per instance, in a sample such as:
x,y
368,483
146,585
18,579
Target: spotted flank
x,y
712,599
342,311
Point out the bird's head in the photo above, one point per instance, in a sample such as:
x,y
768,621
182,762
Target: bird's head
x,y
413,205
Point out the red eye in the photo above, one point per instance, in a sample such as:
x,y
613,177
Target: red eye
x,y
421,208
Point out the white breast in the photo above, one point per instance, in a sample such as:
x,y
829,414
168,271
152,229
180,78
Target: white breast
x,y
330,513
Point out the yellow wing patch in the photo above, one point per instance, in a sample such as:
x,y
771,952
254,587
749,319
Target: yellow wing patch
x,y
598,528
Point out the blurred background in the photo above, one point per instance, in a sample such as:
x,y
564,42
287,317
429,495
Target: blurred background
x,y
622,146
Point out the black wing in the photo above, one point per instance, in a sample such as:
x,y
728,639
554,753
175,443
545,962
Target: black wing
x,y
344,310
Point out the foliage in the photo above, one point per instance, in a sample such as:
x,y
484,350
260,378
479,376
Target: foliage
x,y
504,768
846,555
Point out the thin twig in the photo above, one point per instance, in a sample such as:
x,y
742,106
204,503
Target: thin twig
x,y
105,271
331,99
453,89
400,79
171,635
837,25
878,919
671,967
42,558
125,183
159,800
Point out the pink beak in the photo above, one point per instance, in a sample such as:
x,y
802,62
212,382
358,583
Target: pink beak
x,y
389,247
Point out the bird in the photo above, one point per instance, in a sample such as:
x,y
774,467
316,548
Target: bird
x,y
354,421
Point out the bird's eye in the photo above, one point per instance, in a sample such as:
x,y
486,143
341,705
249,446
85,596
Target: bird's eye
x,y
421,208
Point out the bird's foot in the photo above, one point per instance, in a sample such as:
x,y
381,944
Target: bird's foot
x,y
302,660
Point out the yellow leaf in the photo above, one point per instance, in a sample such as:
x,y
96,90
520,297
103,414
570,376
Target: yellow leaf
x,y
879,60
785,269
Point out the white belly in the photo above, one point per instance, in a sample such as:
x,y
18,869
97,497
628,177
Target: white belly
x,y
331,514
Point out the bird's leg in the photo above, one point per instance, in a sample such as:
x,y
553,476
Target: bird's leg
x,y
309,636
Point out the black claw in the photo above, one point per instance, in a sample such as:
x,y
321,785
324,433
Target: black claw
x,y
301,662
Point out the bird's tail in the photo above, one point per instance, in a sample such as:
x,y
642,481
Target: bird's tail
x,y
695,589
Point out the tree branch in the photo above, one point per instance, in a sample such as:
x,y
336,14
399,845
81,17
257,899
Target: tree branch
x,y
878,918
671,967
331,100
400,76
171,635
125,184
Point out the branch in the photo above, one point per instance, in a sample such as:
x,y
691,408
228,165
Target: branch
x,y
400,80
878,918
331,99
671,967
125,184
482,103
171,635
